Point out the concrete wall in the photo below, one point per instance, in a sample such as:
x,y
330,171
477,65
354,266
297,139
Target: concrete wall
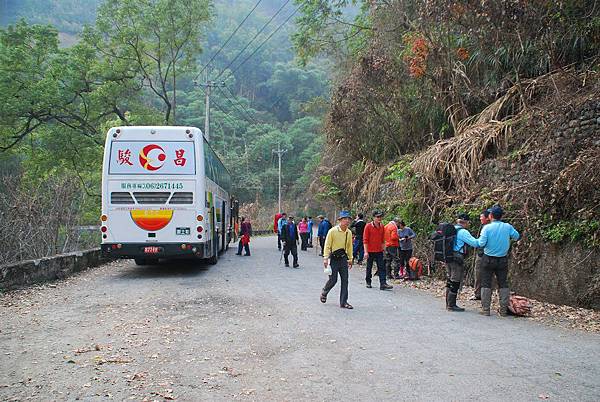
x,y
28,272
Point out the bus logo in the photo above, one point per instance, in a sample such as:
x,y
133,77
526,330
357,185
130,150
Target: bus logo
x,y
151,220
152,157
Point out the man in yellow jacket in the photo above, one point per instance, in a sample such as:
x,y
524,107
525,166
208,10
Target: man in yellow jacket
x,y
337,254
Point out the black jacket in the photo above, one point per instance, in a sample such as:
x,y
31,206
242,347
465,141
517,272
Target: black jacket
x,y
285,232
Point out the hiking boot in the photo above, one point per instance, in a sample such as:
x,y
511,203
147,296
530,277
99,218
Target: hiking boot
x,y
486,301
369,285
386,286
287,265
503,298
451,302
296,265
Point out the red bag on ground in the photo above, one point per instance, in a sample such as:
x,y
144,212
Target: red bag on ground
x,y
415,268
519,305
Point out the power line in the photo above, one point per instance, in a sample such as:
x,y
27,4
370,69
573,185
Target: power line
x,y
228,39
260,46
252,40
239,107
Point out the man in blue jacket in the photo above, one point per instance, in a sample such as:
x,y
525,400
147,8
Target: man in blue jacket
x,y
495,240
324,226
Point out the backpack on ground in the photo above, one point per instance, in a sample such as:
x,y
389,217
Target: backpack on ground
x,y
443,239
519,305
415,268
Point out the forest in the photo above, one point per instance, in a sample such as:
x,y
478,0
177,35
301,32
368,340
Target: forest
x,y
69,73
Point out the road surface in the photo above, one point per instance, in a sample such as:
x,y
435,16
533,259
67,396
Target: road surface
x,y
250,329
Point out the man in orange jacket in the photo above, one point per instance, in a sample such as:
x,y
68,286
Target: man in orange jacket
x,y
374,244
392,245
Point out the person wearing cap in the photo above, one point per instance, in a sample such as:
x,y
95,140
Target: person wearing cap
x,y
495,239
373,241
456,267
338,254
290,236
392,244
484,218
324,226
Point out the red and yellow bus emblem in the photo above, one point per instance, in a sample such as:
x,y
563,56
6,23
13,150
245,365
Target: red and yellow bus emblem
x,y
151,220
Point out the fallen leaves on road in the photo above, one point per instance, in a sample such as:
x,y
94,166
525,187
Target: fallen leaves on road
x,y
546,313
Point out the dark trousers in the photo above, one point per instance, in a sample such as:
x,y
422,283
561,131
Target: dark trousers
x,y
338,266
358,250
377,258
304,238
246,248
405,256
322,243
392,261
494,266
290,248
279,241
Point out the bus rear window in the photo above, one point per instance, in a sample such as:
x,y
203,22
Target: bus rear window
x,y
152,158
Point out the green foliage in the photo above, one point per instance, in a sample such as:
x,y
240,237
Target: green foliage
x,y
399,171
584,230
331,191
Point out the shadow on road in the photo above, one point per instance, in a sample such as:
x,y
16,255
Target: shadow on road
x,y
165,269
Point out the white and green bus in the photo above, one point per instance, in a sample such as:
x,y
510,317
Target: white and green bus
x,y
165,194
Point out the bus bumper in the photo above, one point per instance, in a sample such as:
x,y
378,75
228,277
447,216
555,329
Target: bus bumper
x,y
145,250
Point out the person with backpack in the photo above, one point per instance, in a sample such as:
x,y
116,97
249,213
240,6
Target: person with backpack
x,y
392,246
456,264
338,255
278,216
290,237
303,229
495,240
406,235
324,226
373,240
282,221
358,227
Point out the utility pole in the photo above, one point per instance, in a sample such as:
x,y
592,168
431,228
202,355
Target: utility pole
x,y
209,85
279,153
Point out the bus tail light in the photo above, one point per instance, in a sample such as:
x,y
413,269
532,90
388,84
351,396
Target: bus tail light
x,y
200,218
104,218
103,229
119,245
199,229
183,246
200,237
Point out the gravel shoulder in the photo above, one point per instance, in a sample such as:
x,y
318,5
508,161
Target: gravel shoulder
x,y
250,329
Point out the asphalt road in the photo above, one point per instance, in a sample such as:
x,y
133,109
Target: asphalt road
x,y
250,329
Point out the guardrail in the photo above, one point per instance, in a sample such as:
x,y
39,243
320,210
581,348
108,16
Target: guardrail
x,y
28,272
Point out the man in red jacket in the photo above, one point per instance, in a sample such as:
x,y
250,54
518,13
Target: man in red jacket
x,y
276,228
373,240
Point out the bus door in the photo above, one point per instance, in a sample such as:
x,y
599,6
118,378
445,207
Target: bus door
x,y
223,231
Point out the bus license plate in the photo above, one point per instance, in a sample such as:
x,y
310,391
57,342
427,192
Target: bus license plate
x,y
152,250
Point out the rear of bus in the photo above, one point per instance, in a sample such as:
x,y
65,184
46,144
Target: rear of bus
x,y
153,203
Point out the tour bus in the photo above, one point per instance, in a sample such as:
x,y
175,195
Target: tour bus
x,y
165,194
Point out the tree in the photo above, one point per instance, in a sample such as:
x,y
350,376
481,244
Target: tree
x,y
160,39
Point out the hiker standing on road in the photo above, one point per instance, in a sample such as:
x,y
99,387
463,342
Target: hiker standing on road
x,y
456,267
374,245
278,216
290,236
495,240
245,233
484,218
392,244
310,232
338,254
406,235
303,229
282,221
358,249
324,226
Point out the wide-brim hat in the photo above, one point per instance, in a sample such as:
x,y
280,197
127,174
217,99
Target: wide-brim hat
x,y
344,214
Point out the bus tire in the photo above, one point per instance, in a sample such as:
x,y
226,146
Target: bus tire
x,y
140,262
213,260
